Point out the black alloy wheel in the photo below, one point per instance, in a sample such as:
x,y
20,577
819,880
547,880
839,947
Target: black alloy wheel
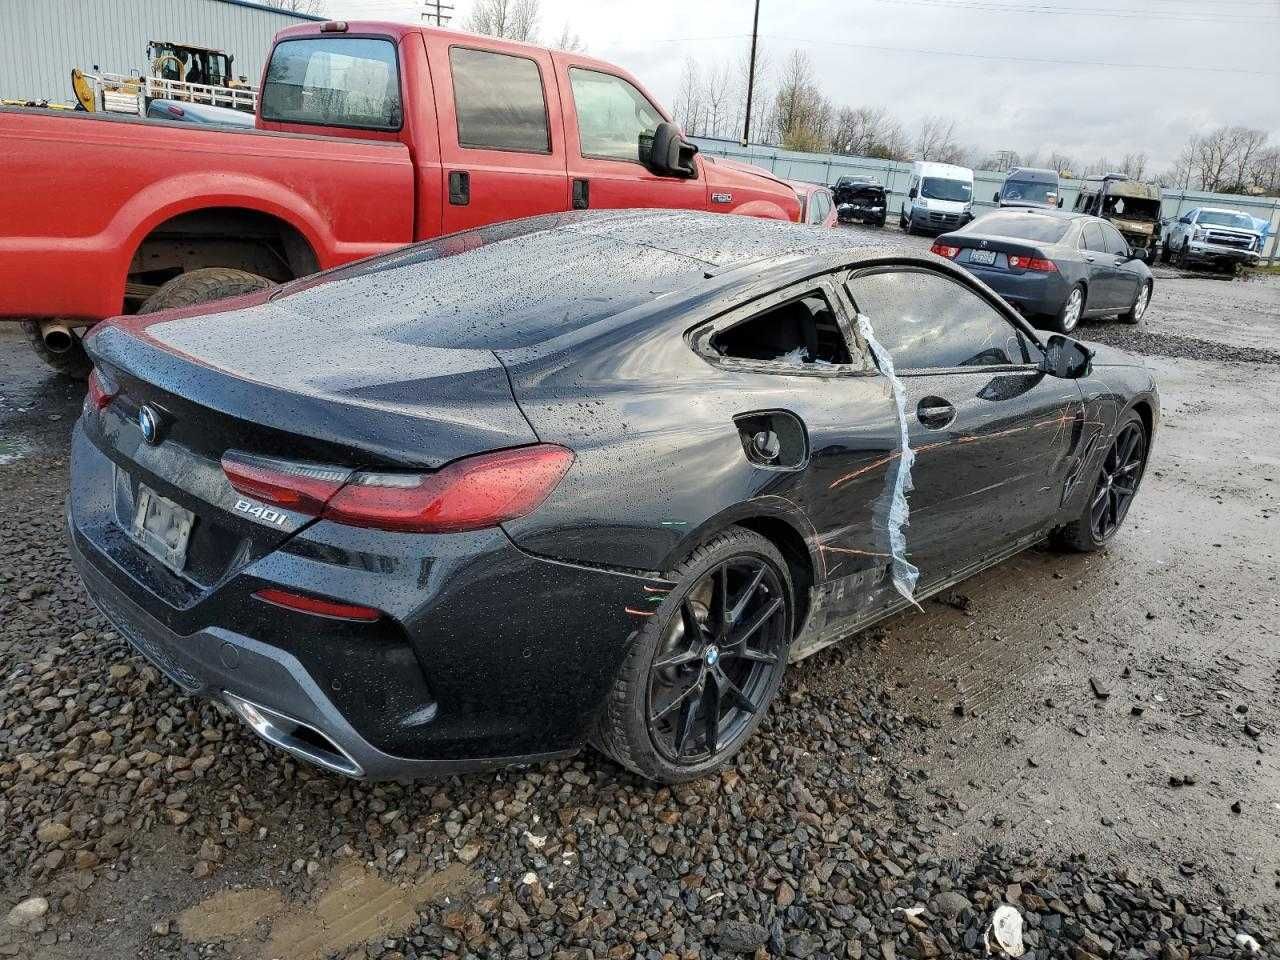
x,y
704,663
1118,482
712,671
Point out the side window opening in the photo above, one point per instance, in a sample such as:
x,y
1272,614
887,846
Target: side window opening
x,y
801,332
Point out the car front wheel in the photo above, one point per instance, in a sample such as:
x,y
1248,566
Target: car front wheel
x,y
705,665
1135,313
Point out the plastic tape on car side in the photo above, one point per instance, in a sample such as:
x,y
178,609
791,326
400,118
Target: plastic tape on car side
x,y
905,574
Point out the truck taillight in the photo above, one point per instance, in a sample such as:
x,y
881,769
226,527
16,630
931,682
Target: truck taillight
x,y
1038,264
469,494
944,250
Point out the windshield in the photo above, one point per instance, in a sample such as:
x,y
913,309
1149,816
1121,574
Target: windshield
x,y
1224,218
1027,191
935,188
1131,208
1021,226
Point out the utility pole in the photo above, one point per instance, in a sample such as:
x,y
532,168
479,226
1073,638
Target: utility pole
x,y
437,12
751,76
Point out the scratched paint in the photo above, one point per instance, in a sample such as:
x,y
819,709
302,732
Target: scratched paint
x,y
905,573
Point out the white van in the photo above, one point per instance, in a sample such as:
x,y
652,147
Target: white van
x,y
939,198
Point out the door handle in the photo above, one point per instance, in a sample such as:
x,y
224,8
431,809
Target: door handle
x,y
581,194
935,413
459,188
1088,259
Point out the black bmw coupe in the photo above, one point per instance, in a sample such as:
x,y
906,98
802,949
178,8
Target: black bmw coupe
x,y
589,477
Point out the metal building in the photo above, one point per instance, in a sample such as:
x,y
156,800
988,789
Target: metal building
x,y
42,40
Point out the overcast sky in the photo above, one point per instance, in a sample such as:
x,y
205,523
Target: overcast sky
x,y
979,61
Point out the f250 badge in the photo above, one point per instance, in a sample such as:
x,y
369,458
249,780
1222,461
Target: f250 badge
x,y
722,198
265,514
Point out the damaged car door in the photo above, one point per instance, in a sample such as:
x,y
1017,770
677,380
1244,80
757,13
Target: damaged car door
x,y
992,433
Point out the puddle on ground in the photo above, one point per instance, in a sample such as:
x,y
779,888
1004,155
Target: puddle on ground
x,y
357,906
12,449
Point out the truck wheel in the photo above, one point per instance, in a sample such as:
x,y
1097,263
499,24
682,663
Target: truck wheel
x,y
72,362
204,286
1164,253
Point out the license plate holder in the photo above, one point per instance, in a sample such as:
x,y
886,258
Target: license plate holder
x,y
984,257
162,528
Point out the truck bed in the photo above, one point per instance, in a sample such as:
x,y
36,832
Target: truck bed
x,y
83,190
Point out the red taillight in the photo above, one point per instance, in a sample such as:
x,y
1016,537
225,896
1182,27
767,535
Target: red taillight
x,y
468,494
316,605
102,390
333,26
304,487
943,250
1039,264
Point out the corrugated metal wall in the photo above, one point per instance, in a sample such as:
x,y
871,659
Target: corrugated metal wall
x,y
41,40
895,175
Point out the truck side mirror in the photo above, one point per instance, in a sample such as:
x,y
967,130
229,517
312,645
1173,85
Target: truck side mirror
x,y
911,194
996,198
667,153
1059,201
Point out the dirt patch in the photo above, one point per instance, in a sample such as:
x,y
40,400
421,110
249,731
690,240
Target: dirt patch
x,y
357,906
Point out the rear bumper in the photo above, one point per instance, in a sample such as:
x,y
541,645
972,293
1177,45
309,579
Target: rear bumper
x,y
1033,294
252,677
485,656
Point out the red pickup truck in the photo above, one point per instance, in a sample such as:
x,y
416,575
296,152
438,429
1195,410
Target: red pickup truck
x,y
368,136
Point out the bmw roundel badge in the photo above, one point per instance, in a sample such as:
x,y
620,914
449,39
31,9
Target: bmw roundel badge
x,y
149,424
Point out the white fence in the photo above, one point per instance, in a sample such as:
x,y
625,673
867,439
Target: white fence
x,y
894,174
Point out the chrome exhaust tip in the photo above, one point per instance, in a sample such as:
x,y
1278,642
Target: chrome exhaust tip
x,y
293,736
56,336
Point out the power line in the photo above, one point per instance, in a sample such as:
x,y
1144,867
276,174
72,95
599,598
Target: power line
x,y
1049,9
1179,67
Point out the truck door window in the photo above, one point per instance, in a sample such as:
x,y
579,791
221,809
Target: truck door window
x,y
499,101
612,115
334,82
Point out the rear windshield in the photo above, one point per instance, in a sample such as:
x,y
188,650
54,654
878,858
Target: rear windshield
x,y
1029,191
935,188
1222,218
1022,226
334,82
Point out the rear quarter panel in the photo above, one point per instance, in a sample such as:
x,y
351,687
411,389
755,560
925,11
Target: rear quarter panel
x,y
84,191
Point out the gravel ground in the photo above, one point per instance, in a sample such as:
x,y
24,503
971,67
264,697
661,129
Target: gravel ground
x,y
905,785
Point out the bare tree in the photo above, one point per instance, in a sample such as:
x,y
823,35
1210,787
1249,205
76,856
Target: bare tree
x,y
868,132
717,92
1248,144
688,109
313,7
936,140
761,97
803,114
1061,163
509,19
1134,164
1264,171
569,41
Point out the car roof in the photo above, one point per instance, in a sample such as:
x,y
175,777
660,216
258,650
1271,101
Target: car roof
x,y
1050,212
1222,210
519,283
1034,174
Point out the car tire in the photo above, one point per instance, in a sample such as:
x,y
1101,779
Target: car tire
x,y
1183,252
205,285
1135,313
73,362
1071,311
628,728
1083,534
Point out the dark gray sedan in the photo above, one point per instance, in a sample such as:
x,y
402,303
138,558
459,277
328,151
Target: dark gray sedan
x,y
1054,267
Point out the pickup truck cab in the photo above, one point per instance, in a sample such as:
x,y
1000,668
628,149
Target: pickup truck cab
x,y
368,136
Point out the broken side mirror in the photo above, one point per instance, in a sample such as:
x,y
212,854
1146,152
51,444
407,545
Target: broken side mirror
x,y
1066,359
1060,201
911,194
996,198
667,153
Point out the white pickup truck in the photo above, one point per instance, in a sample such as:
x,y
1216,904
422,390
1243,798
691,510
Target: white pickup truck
x,y
1212,235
